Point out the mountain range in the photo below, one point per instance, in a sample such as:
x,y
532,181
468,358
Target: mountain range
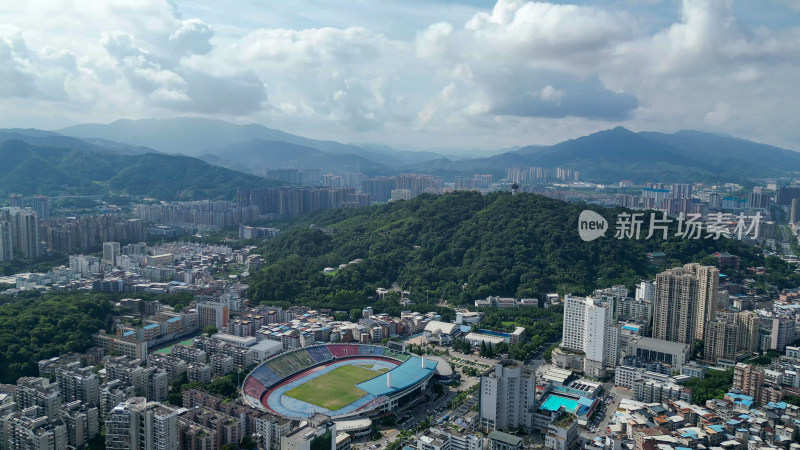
x,y
606,156
187,158
34,162
239,145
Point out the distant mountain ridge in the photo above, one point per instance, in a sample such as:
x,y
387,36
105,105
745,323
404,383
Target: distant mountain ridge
x,y
605,156
611,155
69,166
197,137
283,155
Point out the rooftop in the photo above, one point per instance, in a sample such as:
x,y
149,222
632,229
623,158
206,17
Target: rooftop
x,y
509,439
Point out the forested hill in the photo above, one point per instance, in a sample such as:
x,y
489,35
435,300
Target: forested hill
x,y
460,246
70,167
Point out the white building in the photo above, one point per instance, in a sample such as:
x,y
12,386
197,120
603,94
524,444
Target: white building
x,y
507,397
645,290
441,333
588,328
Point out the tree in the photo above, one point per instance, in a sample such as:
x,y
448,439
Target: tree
x,y
247,443
34,327
714,385
501,348
210,330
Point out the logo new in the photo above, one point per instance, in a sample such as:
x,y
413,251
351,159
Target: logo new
x,y
591,225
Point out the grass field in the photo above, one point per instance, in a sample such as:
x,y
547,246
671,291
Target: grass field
x,y
167,350
334,390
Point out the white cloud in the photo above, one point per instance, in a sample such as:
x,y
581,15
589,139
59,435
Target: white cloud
x,y
522,72
551,94
719,115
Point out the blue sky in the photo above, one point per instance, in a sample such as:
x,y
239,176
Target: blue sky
x,y
421,74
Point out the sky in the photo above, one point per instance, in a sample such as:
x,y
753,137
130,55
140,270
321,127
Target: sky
x,y
413,74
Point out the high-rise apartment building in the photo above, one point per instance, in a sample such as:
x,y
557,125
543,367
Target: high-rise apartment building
x,y
82,423
213,314
111,253
685,300
41,204
26,430
6,242
721,341
507,397
16,200
137,424
27,230
726,338
79,384
588,328
645,290
42,394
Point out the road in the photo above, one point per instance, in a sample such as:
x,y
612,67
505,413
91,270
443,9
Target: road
x,y
610,408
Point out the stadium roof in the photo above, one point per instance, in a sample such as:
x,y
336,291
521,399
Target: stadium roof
x,y
403,376
443,368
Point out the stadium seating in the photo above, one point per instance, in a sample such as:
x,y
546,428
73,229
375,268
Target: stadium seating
x,y
342,350
265,375
320,353
304,358
280,367
370,350
253,388
284,365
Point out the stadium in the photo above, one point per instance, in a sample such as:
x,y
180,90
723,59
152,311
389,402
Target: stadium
x,y
338,380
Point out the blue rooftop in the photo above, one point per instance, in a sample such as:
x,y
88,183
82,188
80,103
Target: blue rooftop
x,y
717,428
778,405
495,333
173,319
151,326
403,376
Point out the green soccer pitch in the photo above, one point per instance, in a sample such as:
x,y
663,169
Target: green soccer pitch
x,y
334,390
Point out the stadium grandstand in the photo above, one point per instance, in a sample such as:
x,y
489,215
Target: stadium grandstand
x,y
339,380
